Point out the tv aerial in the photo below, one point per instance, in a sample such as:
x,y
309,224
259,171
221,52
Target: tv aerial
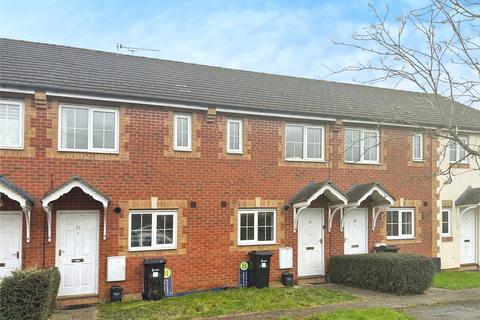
x,y
134,49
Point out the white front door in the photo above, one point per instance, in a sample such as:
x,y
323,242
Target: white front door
x,y
10,242
355,230
310,243
468,239
77,252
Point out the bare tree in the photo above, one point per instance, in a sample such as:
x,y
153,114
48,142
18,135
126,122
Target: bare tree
x,y
437,48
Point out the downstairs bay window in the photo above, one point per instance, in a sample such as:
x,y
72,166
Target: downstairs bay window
x,y
400,224
152,230
256,226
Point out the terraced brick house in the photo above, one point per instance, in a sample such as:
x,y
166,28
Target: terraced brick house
x,y
111,159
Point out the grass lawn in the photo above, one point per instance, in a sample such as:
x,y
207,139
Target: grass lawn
x,y
457,280
362,314
211,304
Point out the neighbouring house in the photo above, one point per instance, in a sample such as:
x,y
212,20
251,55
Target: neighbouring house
x,y
459,204
108,159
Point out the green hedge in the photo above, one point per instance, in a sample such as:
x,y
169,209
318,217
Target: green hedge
x,y
29,294
400,274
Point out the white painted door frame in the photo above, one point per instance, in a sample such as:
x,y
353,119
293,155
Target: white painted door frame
x,y
346,249
18,215
473,241
92,212
321,213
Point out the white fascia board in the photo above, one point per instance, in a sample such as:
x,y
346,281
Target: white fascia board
x,y
132,101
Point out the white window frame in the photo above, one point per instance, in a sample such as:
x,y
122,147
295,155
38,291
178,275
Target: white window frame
x,y
421,147
154,246
255,232
362,146
21,129
449,210
176,147
91,110
401,211
305,153
457,151
240,134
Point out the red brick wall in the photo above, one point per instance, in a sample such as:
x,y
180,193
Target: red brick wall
x,y
147,167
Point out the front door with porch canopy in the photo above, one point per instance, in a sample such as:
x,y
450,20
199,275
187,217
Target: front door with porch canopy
x,y
11,224
77,238
468,208
310,224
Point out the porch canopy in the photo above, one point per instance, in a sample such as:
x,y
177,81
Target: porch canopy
x,y
312,191
25,200
74,182
374,193
469,199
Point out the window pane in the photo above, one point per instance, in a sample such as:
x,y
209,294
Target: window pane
x,y
407,217
461,152
98,120
10,125
103,130
453,152
314,143
110,121
370,144
294,141
445,222
392,223
81,139
81,118
247,221
182,132
234,135
141,233
352,145
417,142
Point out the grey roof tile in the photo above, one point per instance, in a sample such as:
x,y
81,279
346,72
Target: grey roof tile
x,y
471,196
30,65
357,191
10,185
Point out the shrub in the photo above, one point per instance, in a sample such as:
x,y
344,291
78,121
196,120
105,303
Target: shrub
x,y
29,294
400,274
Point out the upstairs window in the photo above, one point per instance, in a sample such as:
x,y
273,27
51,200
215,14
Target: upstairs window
x,y
182,132
417,147
457,152
11,124
234,136
304,142
400,224
256,226
88,129
361,146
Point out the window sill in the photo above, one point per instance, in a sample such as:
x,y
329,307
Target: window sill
x,y
257,243
151,249
11,148
306,160
418,160
362,162
402,238
90,151
235,152
182,150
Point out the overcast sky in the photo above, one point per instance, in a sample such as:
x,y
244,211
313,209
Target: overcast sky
x,y
283,37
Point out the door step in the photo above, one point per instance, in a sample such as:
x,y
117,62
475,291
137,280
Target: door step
x,y
304,281
72,302
469,267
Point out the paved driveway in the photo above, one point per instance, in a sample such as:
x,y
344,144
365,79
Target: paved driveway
x,y
465,310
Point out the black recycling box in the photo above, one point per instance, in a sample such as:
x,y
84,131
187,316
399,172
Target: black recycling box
x,y
153,279
259,268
